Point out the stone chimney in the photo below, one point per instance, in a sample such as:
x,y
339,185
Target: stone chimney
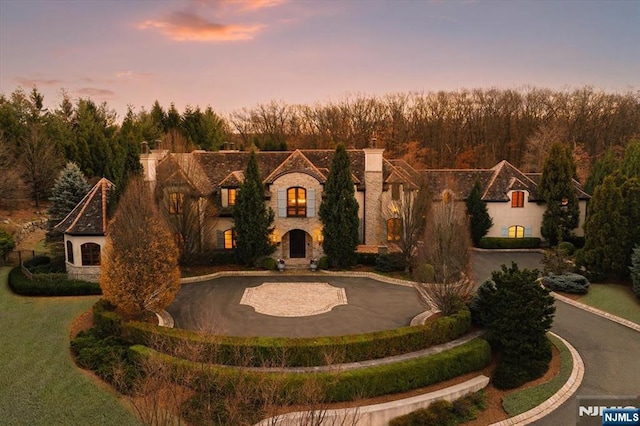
x,y
373,180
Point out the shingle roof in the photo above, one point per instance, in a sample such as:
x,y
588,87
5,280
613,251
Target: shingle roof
x,y
89,216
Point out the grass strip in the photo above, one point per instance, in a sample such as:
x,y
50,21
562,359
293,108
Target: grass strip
x,y
526,399
616,299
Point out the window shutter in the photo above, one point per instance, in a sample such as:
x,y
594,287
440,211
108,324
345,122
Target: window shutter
x,y
527,231
311,203
220,239
361,230
224,193
385,231
282,203
504,232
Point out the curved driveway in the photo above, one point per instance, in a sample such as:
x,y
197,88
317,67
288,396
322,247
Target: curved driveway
x,y
610,351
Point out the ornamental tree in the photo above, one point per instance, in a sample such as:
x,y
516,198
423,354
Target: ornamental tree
x,y
517,313
479,220
556,187
140,271
339,212
252,218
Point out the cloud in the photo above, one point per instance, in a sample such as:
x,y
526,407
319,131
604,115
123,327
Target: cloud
x,y
131,75
256,4
187,26
30,82
93,91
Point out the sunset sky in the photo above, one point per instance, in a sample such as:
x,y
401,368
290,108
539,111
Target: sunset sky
x,y
233,54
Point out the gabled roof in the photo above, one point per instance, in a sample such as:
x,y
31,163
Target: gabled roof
x,y
505,175
233,180
296,162
89,216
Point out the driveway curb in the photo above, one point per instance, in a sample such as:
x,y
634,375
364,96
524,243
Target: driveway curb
x,y
632,325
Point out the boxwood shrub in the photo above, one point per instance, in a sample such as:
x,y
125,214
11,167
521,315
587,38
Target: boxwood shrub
x,y
368,259
50,285
509,243
567,283
291,352
389,262
340,386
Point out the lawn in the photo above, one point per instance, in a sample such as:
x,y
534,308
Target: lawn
x,y
616,299
39,383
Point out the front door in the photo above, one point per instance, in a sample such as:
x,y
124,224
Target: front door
x,y
297,244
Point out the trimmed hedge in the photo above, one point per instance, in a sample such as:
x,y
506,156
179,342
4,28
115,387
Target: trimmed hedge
x,y
50,285
290,352
509,243
445,413
566,283
390,262
368,259
339,386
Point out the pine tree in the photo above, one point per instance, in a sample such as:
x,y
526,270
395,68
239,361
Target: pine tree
x,y
557,189
252,219
140,271
69,188
480,221
339,212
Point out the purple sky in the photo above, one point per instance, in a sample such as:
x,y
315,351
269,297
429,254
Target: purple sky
x,y
233,54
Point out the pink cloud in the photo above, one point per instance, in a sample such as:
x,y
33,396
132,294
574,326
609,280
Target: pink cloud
x,y
94,91
30,82
127,75
187,26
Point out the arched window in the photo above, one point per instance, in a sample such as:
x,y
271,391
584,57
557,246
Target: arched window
x,y
229,239
70,252
394,229
516,231
90,254
296,202
517,199
447,197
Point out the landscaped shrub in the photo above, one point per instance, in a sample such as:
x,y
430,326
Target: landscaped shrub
x,y
36,262
578,242
509,243
567,283
269,263
635,270
390,262
292,352
348,385
7,243
443,412
425,273
515,370
323,263
567,248
50,285
368,259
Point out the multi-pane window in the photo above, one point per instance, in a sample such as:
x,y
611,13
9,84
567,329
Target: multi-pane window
x,y
90,254
176,202
229,239
70,252
296,202
517,199
231,196
516,231
394,229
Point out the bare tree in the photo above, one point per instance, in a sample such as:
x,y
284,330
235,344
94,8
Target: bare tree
x,y
13,191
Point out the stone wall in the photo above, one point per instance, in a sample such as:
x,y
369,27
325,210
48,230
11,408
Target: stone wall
x,y
27,228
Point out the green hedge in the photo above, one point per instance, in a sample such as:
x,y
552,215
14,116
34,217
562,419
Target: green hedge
x,y
368,259
50,285
509,243
340,386
291,352
445,413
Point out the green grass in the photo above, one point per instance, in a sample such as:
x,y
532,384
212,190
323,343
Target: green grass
x,y
616,299
39,382
526,399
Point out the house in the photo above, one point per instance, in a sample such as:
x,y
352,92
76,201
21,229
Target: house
x,y
84,230
294,182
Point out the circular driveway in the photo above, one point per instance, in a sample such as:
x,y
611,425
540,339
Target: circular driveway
x,y
214,307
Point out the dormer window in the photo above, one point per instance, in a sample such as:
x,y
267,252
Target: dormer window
x,y
447,197
296,202
517,199
231,196
176,202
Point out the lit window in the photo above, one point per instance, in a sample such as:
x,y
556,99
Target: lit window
x,y
394,229
446,197
70,252
176,202
231,198
229,239
90,254
517,199
296,202
516,231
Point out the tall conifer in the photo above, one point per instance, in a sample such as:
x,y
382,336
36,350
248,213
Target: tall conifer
x,y
479,219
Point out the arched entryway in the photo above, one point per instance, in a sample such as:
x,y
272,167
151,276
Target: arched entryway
x,y
297,244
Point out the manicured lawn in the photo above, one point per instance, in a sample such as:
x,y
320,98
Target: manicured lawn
x,y
39,383
613,298
526,399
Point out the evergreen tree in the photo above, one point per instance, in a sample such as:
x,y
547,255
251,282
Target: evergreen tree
x,y
252,218
601,169
480,221
557,189
140,271
69,188
517,313
339,212
635,270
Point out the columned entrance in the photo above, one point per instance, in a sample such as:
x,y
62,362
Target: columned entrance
x,y
297,244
